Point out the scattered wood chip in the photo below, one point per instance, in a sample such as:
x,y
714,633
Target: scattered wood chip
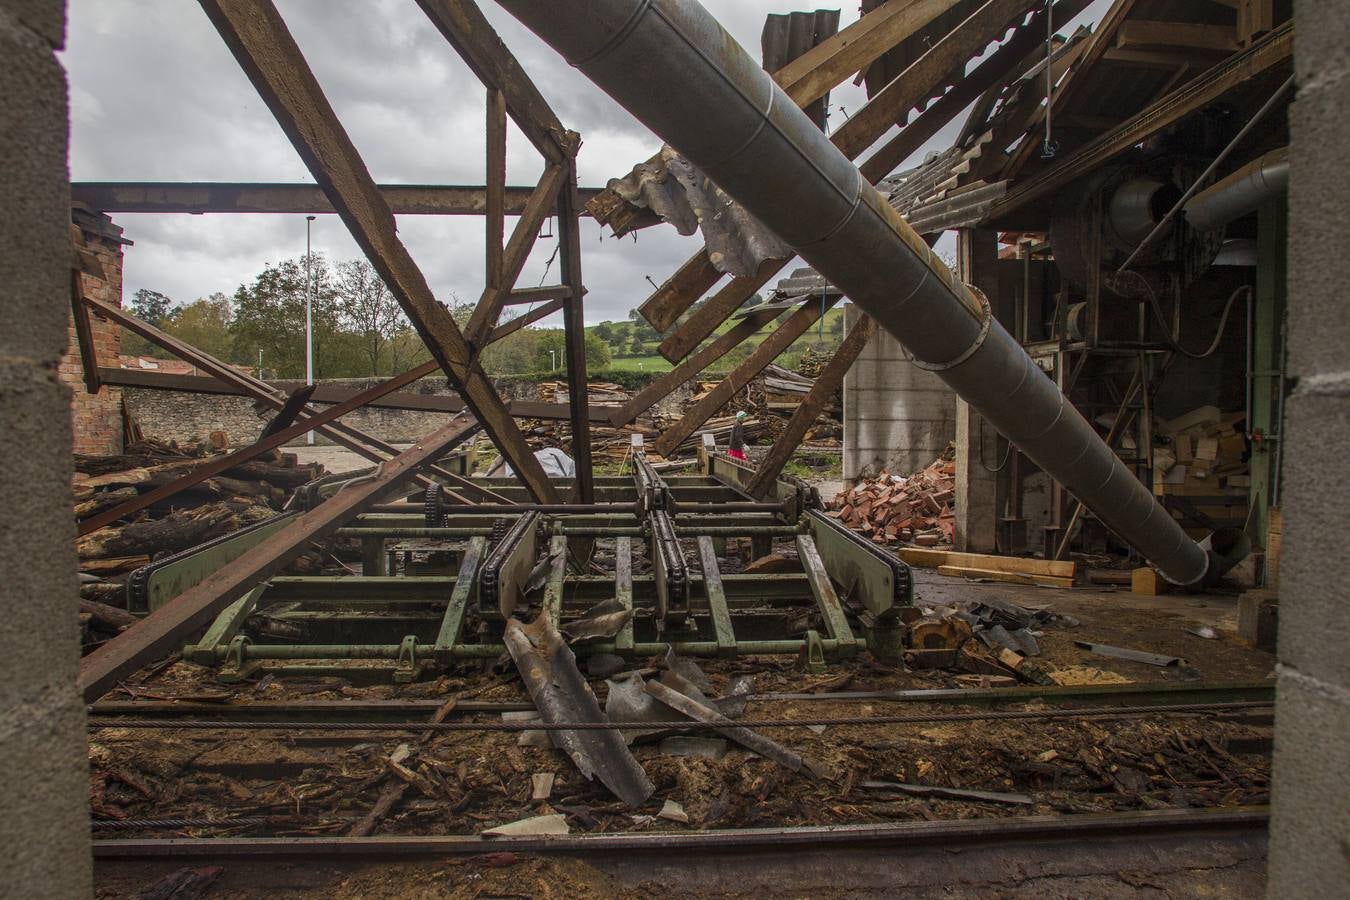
x,y
553,823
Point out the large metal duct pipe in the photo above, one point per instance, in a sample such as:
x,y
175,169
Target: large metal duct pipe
x,y
672,65
1242,193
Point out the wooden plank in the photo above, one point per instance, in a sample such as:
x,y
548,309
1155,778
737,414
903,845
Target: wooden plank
x,y
723,630
795,326
691,367
834,60
1009,577
519,322
496,185
1147,582
680,291
717,310
452,623
543,292
165,628
939,66
523,238
465,27
1149,33
827,599
931,559
266,51
84,333
821,392
623,590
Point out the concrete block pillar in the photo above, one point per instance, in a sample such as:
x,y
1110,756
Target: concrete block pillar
x,y
977,442
45,826
1311,812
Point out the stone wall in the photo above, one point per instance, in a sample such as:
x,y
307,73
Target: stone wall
x,y
183,417
1311,814
97,418
45,826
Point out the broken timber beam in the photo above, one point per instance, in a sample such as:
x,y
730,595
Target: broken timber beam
x,y
160,632
266,51
574,334
804,416
519,322
763,355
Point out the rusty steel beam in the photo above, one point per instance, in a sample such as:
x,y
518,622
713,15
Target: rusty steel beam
x,y
200,197
468,31
804,416
265,443
164,630
266,51
763,355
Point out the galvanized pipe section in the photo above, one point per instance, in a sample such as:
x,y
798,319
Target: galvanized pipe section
x,y
1243,192
672,65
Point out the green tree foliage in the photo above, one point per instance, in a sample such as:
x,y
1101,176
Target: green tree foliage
x,y
150,306
205,323
367,308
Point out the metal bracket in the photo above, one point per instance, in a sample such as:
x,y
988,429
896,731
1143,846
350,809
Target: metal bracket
x,y
815,652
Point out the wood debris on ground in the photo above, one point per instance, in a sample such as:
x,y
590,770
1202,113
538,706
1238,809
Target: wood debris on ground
x,y
893,509
248,493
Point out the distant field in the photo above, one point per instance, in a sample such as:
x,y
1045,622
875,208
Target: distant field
x,y
640,364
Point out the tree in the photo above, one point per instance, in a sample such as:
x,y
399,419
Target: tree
x,y
597,352
368,308
206,323
269,315
604,331
150,306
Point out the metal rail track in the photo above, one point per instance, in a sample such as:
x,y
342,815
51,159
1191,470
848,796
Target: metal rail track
x,y
1237,822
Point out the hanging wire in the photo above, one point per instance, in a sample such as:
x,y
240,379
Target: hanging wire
x,y
1167,331
1049,149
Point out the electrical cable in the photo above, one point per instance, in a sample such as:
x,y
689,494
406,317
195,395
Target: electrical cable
x,y
1166,330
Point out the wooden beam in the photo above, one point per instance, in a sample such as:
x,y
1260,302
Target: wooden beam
x,y
705,320
804,416
1272,50
164,630
523,237
1169,60
465,27
265,443
264,48
834,60
795,326
1147,33
84,333
991,73
1255,18
521,321
574,339
691,367
201,197
496,185
680,291
939,66
519,296
1008,577
1103,38
931,559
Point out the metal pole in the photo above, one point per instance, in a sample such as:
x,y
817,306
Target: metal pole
x,y
309,315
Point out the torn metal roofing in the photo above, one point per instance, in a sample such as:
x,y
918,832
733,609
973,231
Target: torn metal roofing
x,y
787,36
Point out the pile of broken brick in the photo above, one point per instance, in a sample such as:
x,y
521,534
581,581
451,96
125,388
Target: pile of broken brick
x,y
892,509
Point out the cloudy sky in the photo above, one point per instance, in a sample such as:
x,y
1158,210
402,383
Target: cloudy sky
x,y
156,96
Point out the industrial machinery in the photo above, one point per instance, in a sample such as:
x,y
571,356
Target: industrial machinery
x,y
652,565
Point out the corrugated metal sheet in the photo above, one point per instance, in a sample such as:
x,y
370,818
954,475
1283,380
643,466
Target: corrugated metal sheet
x,y
787,36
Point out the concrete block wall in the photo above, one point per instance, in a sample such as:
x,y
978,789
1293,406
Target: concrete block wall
x,y
896,415
1309,853
45,825
97,418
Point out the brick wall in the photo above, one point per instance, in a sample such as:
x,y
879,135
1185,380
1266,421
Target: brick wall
x,y
97,418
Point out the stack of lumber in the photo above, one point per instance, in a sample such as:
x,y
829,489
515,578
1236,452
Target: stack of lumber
x,y
784,390
1203,464
891,508
219,505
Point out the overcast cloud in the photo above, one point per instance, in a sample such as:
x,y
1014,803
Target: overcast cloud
x,y
156,96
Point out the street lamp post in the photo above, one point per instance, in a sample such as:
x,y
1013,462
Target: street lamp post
x,y
309,315
553,360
